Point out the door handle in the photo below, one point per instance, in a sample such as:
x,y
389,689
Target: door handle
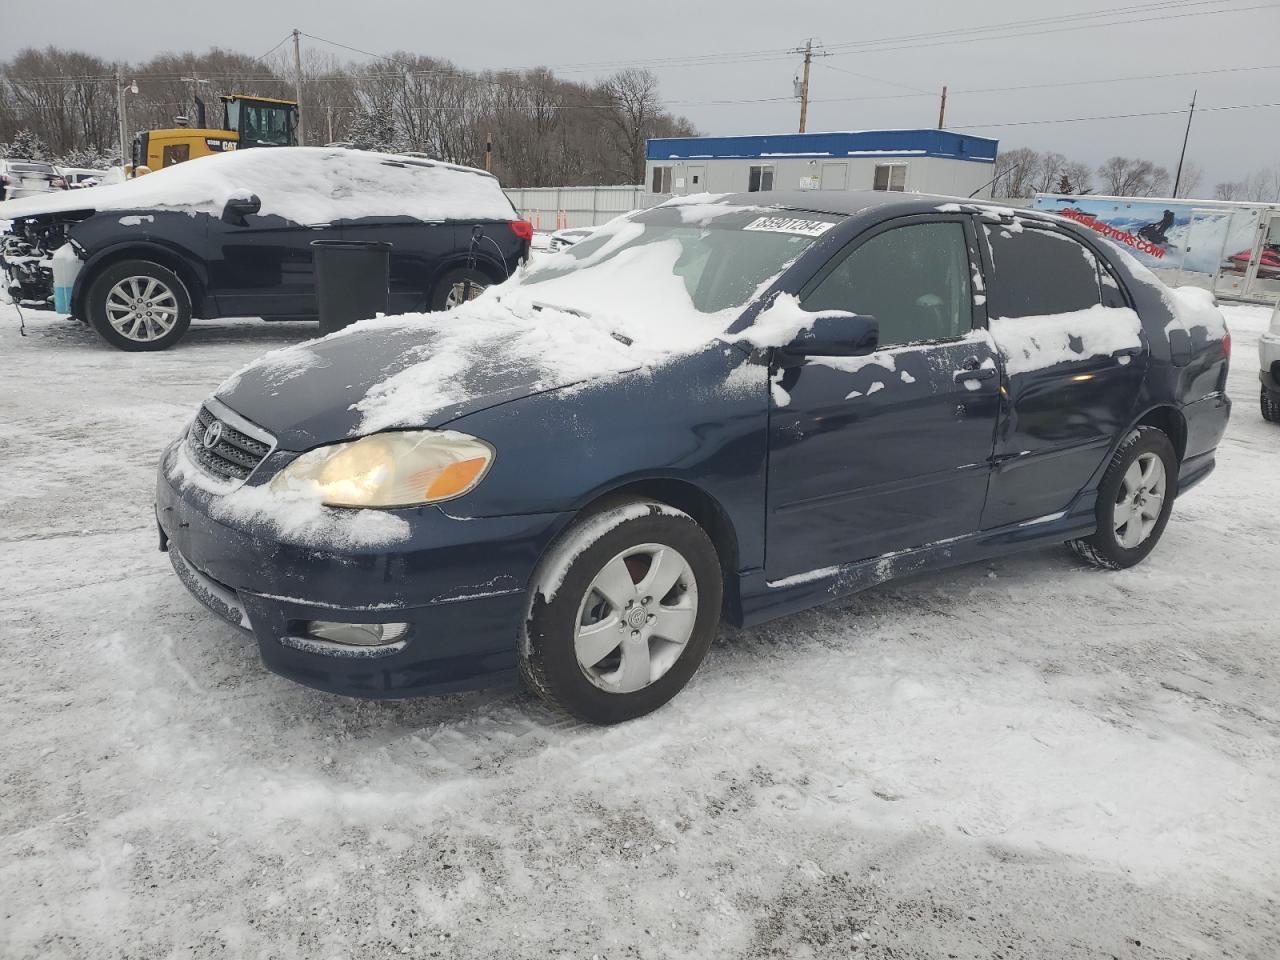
x,y
1127,352
981,373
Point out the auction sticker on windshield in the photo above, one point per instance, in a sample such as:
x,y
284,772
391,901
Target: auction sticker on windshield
x,y
807,228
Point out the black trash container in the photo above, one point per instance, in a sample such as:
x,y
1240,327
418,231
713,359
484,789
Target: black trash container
x,y
352,277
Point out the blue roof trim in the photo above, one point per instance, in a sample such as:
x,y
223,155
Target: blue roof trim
x,y
859,143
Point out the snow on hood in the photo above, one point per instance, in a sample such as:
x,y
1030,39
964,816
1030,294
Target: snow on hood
x,y
628,313
301,184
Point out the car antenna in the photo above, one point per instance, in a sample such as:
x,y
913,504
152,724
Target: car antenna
x,y
992,181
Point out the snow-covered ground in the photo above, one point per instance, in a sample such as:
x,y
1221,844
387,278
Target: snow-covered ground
x,y
1027,759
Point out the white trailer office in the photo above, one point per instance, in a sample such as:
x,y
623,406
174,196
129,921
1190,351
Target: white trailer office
x,y
917,161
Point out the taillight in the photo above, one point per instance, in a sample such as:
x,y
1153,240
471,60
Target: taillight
x,y
1226,345
523,229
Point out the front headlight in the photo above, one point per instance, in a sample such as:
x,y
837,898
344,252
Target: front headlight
x,y
389,469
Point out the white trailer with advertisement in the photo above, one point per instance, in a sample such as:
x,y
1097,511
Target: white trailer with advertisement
x,y
1230,248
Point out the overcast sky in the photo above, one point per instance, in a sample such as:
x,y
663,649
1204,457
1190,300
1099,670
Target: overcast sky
x,y
1228,143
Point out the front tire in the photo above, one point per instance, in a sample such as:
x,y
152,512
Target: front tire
x,y
624,609
138,305
1134,501
1270,406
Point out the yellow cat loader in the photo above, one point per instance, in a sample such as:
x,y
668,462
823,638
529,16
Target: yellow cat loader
x,y
246,122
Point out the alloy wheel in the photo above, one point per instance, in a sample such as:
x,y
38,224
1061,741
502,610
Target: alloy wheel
x,y
636,618
142,308
1139,500
458,293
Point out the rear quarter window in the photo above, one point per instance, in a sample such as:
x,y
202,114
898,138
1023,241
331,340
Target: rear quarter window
x,y
1040,271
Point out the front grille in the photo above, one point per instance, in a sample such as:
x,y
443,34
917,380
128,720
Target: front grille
x,y
235,454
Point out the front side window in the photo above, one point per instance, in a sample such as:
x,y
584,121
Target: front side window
x,y
759,177
915,280
890,176
661,180
176,153
1040,272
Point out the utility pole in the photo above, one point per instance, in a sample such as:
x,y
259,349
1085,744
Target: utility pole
x,y
488,152
1177,180
200,118
329,115
297,81
942,108
804,84
120,113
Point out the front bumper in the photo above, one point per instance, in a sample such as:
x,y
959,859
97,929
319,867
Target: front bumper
x,y
459,584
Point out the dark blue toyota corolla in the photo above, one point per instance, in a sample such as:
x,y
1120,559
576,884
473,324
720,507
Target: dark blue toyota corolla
x,y
726,407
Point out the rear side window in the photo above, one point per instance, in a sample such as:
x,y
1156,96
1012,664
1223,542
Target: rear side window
x,y
1040,272
913,279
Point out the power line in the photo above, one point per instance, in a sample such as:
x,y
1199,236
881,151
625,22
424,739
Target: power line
x,y
1112,116
286,39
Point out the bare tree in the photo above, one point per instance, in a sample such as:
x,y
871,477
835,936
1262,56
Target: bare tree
x,y
1048,170
1133,177
1192,177
1015,172
632,105
1079,175
1228,190
1263,185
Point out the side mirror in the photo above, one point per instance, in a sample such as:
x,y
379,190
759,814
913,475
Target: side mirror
x,y
236,210
836,334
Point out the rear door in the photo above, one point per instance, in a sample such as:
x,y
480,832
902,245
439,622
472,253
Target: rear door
x,y
869,455
1074,359
418,251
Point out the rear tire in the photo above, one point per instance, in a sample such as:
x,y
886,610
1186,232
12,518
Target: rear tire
x,y
1270,406
615,641
457,286
138,305
1135,498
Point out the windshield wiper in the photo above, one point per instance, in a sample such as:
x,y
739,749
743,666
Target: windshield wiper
x,y
540,305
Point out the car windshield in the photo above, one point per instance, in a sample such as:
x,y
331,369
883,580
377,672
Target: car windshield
x,y
699,259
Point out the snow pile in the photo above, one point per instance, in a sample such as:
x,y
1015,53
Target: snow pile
x,y
702,208
1194,307
302,184
1034,343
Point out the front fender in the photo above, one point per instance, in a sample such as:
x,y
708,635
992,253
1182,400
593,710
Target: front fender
x,y
189,267
699,420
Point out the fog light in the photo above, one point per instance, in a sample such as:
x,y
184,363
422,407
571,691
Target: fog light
x,y
356,634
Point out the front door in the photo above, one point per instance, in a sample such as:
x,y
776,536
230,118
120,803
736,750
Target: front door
x,y
870,455
263,267
835,176
1075,358
697,178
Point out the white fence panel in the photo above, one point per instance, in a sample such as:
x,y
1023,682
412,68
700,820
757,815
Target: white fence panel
x,y
554,208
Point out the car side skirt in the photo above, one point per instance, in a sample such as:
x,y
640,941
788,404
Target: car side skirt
x,y
763,600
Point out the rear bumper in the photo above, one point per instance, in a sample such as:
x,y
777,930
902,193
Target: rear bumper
x,y
459,584
1206,421
1269,355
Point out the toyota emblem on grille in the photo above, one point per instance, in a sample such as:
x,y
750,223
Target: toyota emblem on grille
x,y
212,434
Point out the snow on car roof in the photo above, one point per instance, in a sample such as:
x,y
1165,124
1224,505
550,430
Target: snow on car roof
x,y
302,184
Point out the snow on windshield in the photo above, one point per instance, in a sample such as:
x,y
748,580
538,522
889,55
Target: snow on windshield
x,y
302,184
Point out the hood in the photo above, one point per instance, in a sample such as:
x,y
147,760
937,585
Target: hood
x,y
416,371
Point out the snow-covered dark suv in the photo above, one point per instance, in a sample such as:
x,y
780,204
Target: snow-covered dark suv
x,y
230,235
